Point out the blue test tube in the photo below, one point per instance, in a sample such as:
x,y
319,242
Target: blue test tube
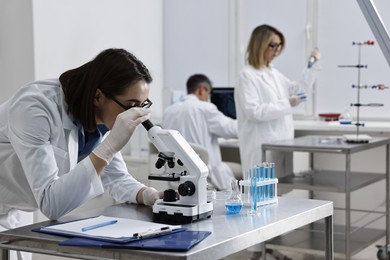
x,y
258,178
253,189
267,188
272,176
262,178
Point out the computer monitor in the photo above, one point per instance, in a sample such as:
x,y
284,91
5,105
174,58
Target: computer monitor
x,y
223,98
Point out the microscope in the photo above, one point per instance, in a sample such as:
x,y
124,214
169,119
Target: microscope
x,y
190,204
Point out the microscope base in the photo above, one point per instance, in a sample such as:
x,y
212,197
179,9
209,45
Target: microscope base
x,y
169,213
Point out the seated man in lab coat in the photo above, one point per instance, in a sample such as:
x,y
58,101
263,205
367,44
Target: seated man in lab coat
x,y
200,122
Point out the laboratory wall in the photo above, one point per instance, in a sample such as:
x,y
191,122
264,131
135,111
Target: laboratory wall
x,y
41,39
214,43
196,40
16,48
340,23
211,37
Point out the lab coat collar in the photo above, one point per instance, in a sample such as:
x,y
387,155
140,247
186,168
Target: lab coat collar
x,y
191,97
267,76
264,73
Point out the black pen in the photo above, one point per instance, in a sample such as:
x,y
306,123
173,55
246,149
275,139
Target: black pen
x,y
153,233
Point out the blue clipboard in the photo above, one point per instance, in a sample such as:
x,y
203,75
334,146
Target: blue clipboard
x,y
175,241
122,240
122,231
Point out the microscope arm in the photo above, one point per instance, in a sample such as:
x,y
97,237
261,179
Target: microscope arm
x,y
197,171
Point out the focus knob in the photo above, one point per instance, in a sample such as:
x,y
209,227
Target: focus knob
x,y
169,195
186,189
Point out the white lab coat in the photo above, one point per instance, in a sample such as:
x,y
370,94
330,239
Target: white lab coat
x,y
38,158
264,113
202,123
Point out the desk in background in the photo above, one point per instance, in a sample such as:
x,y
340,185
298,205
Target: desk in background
x,y
230,233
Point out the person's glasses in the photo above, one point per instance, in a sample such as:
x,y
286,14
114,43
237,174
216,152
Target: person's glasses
x,y
146,104
275,46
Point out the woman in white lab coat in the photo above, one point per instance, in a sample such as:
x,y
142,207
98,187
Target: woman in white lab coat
x,y
264,99
51,154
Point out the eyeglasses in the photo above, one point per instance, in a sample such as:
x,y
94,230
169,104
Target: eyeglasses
x,y
275,46
146,104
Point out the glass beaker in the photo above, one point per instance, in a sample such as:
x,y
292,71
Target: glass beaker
x,y
345,118
233,203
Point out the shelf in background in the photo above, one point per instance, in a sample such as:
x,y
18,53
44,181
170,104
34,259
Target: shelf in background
x,y
329,181
312,241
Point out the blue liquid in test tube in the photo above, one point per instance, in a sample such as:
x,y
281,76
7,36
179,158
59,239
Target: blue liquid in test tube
x,y
272,176
258,178
267,188
253,189
262,175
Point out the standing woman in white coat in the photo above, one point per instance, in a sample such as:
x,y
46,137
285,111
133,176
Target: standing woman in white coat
x,y
52,156
264,99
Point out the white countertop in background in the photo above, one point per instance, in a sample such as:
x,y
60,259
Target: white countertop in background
x,y
317,125
312,127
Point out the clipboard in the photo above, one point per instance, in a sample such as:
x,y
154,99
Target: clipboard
x,y
118,230
176,241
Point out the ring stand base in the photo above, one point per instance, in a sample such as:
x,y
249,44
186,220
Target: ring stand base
x,y
357,139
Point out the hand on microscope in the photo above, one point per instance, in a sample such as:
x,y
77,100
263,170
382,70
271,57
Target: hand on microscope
x,y
315,55
149,195
296,99
123,129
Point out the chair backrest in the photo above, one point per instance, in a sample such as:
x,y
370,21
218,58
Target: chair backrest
x,y
201,151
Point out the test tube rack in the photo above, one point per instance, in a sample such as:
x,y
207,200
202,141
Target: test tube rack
x,y
265,191
360,138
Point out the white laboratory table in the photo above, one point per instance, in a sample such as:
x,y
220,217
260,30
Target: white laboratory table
x,y
230,233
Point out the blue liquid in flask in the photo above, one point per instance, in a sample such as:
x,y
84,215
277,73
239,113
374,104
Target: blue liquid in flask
x,y
233,208
233,203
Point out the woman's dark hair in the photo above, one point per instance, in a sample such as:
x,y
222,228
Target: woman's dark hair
x,y
112,71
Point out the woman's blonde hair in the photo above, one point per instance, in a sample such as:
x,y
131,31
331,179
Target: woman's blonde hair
x,y
259,42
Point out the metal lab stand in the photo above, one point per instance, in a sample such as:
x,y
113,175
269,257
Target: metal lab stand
x,y
330,181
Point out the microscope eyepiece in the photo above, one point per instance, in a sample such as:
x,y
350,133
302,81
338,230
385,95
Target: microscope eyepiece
x,y
147,124
160,163
171,164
